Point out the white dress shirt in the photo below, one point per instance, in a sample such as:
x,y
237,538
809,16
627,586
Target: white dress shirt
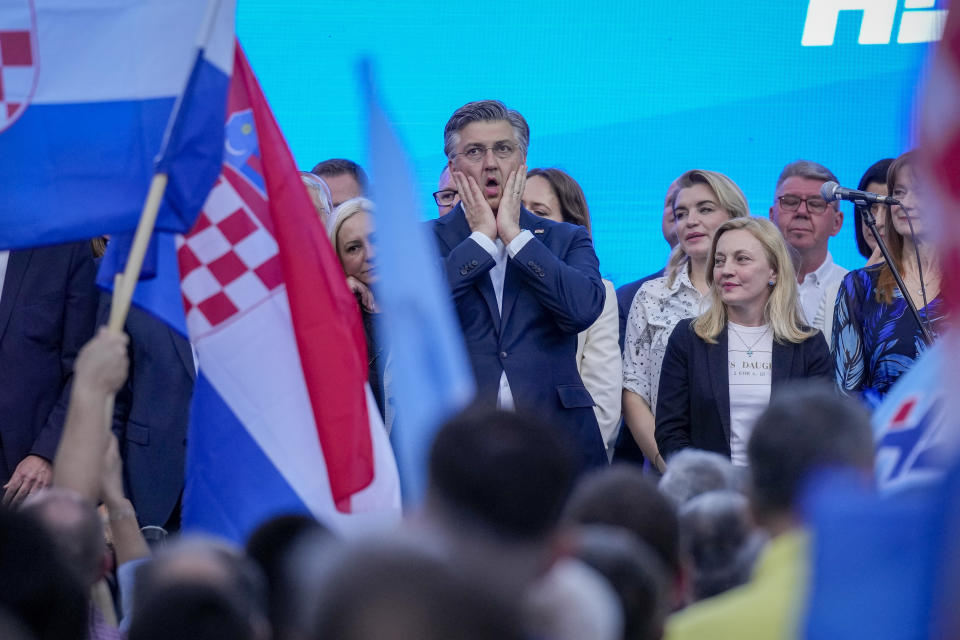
x,y
813,287
497,275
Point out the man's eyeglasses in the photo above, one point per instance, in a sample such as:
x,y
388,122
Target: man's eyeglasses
x,y
815,205
476,153
445,197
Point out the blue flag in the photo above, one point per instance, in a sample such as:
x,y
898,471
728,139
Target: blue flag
x,y
433,379
886,565
79,150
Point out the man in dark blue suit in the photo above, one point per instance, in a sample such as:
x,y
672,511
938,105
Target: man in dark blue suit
x,y
48,306
523,286
151,414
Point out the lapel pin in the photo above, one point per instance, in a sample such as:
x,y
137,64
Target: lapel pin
x,y
538,230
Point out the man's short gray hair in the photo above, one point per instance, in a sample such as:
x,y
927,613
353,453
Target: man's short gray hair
x,y
806,169
484,111
691,472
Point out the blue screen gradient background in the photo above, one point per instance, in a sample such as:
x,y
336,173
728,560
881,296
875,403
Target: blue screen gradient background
x,y
624,96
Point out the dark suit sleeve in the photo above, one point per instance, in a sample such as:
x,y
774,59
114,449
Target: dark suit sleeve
x,y
818,360
672,430
570,288
467,262
79,317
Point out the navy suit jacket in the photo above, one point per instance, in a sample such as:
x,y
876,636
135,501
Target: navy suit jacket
x,y
551,292
151,414
693,404
48,307
626,449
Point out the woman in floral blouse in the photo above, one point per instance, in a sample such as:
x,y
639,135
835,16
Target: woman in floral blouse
x,y
875,336
704,201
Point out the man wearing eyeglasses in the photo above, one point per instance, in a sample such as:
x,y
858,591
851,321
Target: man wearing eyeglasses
x,y
523,285
446,195
807,223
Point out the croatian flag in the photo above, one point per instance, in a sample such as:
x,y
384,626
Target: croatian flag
x,y
86,93
282,419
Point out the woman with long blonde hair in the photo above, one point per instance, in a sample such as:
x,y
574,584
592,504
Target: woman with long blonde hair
x,y
721,368
702,202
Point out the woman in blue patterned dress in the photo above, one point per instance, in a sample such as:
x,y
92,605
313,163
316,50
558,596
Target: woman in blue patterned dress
x,y
875,336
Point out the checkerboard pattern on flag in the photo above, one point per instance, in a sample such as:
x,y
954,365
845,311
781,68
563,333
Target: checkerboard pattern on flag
x,y
282,419
229,263
18,68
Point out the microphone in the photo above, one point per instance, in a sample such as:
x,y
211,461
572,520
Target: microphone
x,y
832,191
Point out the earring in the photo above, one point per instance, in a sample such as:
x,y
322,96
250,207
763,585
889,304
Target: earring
x,y
772,282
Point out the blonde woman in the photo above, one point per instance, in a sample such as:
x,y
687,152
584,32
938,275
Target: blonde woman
x,y
350,228
703,201
721,368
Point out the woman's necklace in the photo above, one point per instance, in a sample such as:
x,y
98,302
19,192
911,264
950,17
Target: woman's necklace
x,y
755,342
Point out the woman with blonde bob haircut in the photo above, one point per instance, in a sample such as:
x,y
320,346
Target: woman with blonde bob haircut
x,y
721,369
703,200
350,228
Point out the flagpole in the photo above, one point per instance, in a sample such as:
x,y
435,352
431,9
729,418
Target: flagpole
x,y
123,294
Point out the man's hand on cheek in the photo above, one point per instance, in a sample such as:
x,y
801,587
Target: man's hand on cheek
x,y
508,215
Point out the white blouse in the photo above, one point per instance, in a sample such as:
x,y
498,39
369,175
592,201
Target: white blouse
x,y
655,311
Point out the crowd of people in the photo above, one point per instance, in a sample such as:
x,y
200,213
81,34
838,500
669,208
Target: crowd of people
x,y
631,467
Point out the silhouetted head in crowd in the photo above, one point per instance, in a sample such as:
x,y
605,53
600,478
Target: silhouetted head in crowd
x,y
505,472
383,590
345,178
807,427
693,471
192,612
13,629
207,563
74,526
271,546
718,537
37,587
634,571
874,180
621,496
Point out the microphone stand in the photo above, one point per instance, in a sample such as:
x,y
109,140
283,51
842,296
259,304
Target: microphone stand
x,y
871,223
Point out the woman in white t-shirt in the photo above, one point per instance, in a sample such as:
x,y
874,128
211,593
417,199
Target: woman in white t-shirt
x,y
703,201
721,368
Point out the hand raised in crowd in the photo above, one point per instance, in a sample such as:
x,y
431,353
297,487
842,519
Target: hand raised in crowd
x,y
363,294
111,479
102,363
128,542
32,474
508,215
475,206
